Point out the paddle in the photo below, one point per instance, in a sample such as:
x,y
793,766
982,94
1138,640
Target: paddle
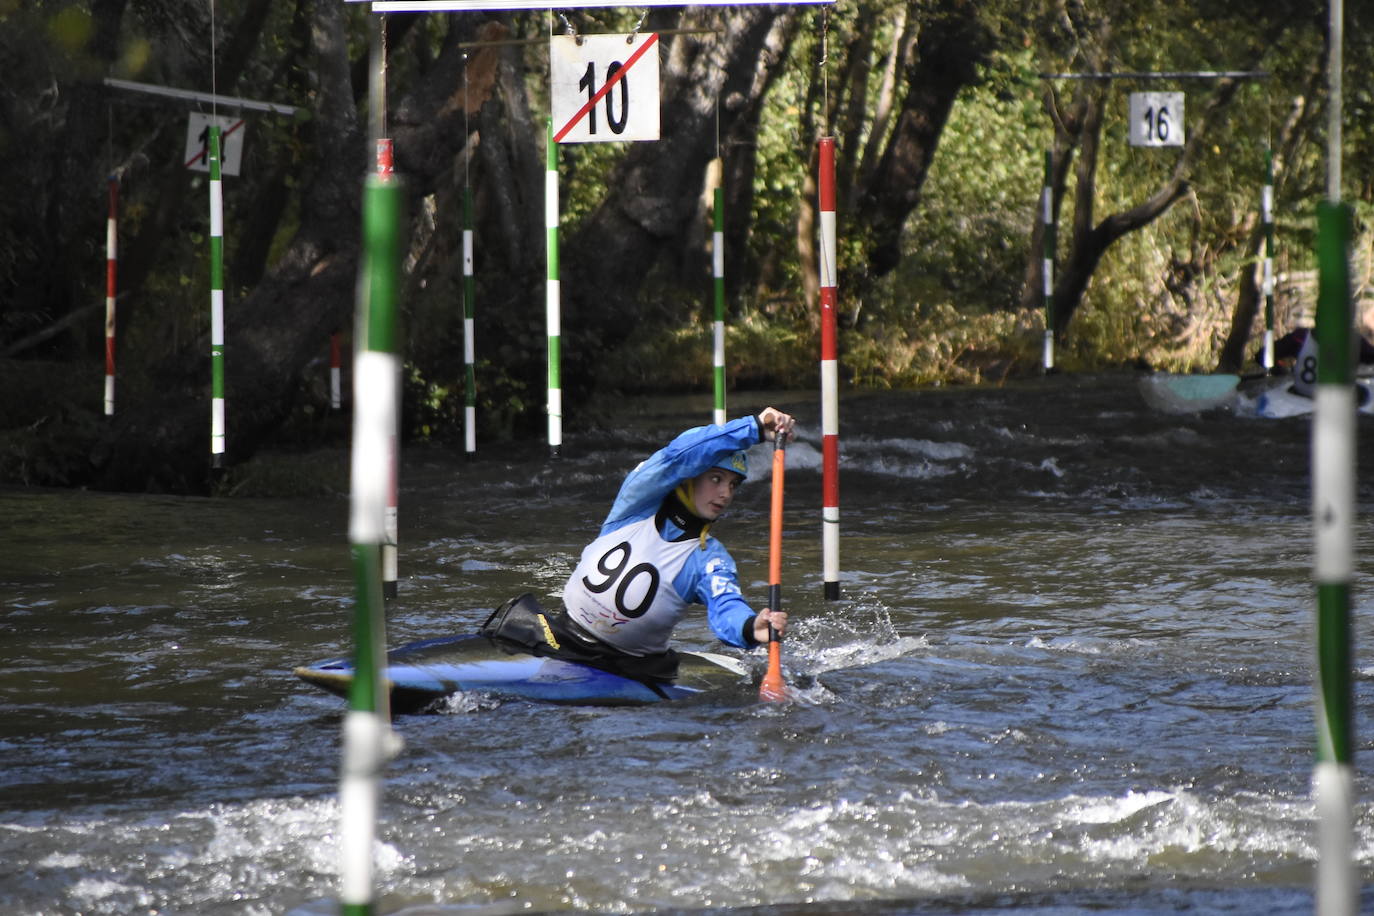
x,y
772,688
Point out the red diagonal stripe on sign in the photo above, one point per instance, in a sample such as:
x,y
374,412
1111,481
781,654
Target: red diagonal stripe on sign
x,y
205,152
601,93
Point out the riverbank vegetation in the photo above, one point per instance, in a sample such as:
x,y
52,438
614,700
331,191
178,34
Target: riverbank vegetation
x,y
943,114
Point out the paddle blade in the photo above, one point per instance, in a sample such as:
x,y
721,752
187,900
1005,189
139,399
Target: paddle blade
x,y
771,688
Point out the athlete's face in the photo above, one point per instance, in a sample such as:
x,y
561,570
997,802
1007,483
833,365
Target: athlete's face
x,y
713,491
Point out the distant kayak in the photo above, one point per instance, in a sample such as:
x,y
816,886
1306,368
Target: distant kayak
x,y
1281,401
421,673
1181,394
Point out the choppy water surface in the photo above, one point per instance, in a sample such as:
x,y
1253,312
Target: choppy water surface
x,y
1070,673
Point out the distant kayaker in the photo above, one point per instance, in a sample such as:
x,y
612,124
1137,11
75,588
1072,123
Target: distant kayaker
x,y
1300,346
654,557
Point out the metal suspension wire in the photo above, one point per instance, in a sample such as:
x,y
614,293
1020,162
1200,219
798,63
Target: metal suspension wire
x,y
824,65
630,39
467,131
214,89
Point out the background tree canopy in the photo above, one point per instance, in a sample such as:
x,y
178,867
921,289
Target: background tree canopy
x,y
942,113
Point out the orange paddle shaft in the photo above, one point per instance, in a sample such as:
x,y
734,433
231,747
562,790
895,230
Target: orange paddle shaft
x,y
772,686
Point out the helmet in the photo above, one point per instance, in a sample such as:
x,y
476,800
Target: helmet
x,y
734,461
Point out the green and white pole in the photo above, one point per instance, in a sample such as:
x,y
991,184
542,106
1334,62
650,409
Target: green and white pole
x,y
1333,523
368,739
552,307
1267,213
469,330
1047,259
718,326
1333,510
217,432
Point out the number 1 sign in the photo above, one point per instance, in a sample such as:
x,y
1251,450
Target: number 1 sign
x,y
604,87
1156,119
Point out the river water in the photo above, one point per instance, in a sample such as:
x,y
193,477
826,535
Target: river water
x,y
1070,672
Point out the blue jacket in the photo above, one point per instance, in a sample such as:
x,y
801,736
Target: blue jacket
x,y
709,576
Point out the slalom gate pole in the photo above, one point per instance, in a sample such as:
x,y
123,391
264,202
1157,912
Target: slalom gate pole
x,y
469,331
391,542
830,401
772,688
111,270
217,432
1333,510
368,738
1333,521
718,325
335,373
553,293
1047,259
1267,213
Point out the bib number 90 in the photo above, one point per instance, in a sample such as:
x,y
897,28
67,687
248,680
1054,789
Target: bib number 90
x,y
638,583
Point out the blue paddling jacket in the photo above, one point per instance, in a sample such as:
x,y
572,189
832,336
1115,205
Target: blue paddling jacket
x,y
633,583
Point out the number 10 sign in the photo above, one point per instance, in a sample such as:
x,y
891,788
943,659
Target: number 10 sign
x,y
1156,119
604,87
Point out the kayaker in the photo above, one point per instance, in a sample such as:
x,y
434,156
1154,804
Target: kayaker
x,y
1300,346
654,557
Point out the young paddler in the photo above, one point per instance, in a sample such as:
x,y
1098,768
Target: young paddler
x,y
655,557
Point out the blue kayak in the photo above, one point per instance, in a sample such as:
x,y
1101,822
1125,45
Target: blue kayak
x,y
421,673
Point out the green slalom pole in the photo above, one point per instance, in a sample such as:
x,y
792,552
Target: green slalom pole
x,y
1333,511
368,739
1047,259
552,306
718,326
469,330
1267,213
217,433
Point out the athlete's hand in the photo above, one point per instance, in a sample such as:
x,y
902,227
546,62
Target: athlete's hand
x,y
778,619
775,423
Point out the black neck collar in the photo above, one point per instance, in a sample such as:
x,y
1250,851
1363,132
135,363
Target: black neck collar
x,y
676,511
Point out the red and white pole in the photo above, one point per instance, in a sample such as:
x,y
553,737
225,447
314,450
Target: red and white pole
x,y
830,401
392,536
335,372
111,263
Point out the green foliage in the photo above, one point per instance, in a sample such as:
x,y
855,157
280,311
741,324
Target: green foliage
x,y
967,243
47,417
950,312
584,170
760,351
943,344
279,474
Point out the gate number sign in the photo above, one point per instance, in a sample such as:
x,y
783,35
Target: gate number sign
x,y
1156,119
604,87
197,152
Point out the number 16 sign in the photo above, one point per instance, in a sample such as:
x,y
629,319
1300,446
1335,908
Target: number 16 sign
x,y
604,87
1156,119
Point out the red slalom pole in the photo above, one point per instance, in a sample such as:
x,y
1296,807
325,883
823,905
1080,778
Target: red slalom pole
x,y
830,401
335,372
391,542
772,688
111,265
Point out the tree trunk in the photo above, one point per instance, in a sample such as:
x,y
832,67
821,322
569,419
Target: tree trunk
x,y
739,155
1247,307
1090,242
610,266
1068,125
1295,125
953,42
